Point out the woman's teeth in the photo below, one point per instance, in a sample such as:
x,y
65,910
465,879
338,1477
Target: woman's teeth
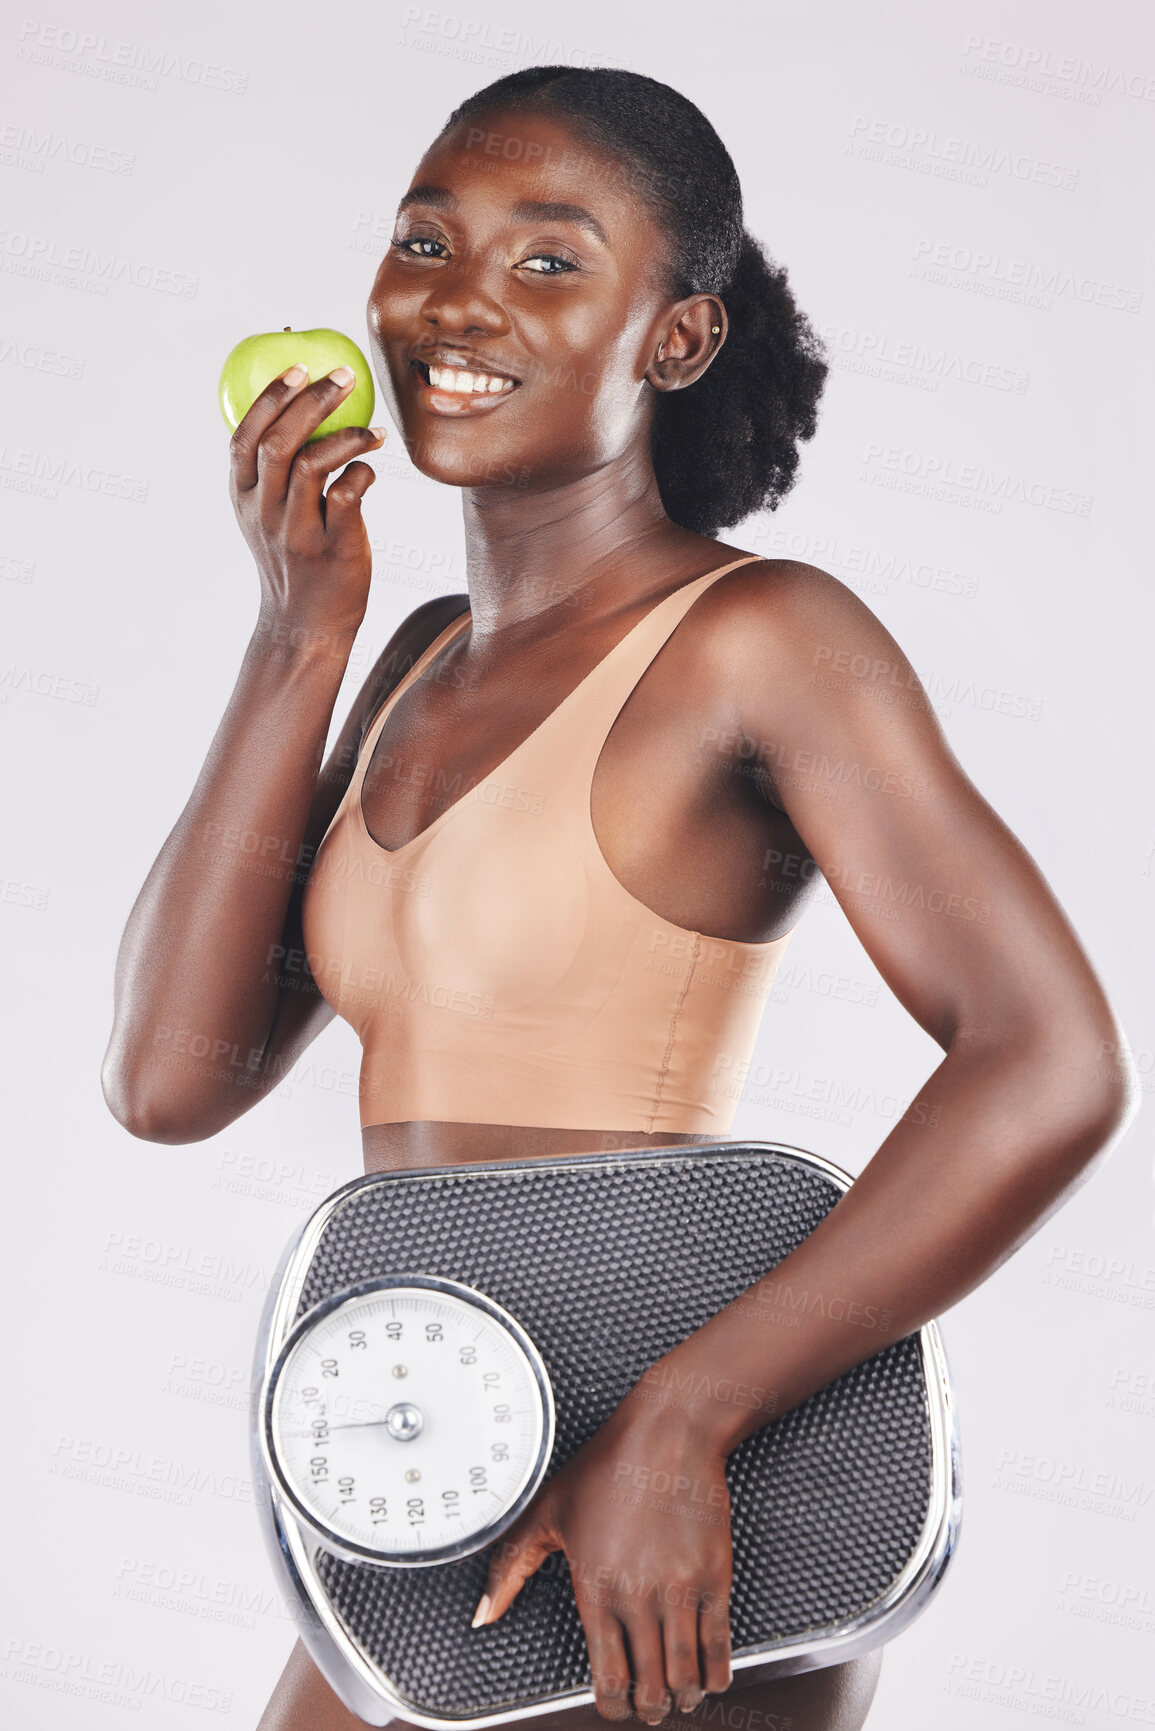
x,y
463,383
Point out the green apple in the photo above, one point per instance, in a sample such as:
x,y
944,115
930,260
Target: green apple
x,y
257,360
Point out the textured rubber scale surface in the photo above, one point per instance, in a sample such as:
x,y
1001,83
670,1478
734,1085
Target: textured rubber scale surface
x,y
608,1266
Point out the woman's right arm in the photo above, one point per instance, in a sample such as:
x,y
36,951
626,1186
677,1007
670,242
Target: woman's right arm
x,y
210,1010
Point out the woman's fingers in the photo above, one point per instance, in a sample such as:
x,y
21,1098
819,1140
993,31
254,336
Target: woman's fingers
x,y
609,1666
312,467
648,1666
714,1640
255,423
518,1556
343,500
653,1596
680,1646
279,422
279,445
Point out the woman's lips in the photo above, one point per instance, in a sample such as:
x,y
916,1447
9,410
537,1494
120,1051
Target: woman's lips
x,y
460,390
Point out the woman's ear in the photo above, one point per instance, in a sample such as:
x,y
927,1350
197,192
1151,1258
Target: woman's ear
x,y
685,345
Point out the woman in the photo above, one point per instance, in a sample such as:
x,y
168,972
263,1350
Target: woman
x,y
568,830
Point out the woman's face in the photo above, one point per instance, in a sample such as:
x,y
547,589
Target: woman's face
x,y
523,267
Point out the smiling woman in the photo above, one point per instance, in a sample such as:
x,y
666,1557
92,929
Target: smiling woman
x,y
615,146
536,862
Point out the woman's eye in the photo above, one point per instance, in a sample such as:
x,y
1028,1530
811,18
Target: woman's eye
x,y
419,246
546,264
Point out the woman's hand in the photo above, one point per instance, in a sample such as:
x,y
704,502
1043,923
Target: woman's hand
x,y
642,1512
311,547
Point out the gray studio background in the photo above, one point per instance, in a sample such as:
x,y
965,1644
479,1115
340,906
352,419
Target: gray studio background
x,y
960,192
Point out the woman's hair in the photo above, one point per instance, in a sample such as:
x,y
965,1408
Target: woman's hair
x,y
729,446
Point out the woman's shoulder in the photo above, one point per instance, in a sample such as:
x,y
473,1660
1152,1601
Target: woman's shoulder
x,y
791,611
804,659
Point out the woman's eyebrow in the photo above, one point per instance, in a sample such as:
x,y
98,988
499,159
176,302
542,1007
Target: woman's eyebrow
x,y
531,210
426,193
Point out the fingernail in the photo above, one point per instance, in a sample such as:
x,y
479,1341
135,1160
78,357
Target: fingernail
x,y
296,375
482,1611
378,433
342,375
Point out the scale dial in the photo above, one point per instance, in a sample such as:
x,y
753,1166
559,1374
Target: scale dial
x,y
408,1420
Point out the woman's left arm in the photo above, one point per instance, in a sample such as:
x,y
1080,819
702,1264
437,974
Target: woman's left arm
x,y
961,924
1036,1082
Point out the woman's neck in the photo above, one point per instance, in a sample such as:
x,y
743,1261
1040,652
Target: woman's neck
x,y
582,545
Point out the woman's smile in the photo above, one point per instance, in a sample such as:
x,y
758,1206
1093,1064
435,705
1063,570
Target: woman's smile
x,y
455,383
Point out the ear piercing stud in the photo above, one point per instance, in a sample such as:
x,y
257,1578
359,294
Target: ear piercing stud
x,y
714,330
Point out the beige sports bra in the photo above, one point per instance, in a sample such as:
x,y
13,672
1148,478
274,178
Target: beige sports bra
x,y
495,969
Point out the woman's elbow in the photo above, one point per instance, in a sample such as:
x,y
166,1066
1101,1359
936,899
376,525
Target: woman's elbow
x,y
148,1113
1107,1088
1114,1101
1088,1091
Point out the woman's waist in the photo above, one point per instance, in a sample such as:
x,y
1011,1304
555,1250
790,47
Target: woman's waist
x,y
427,1142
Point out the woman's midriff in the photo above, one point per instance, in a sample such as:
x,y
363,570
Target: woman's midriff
x,y
396,1147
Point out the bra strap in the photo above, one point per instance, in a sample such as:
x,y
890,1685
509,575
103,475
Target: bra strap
x,y
595,705
369,737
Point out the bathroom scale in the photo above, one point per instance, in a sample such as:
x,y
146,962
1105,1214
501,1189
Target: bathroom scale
x,y
437,1342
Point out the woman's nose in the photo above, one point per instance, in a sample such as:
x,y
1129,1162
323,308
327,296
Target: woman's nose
x,y
460,303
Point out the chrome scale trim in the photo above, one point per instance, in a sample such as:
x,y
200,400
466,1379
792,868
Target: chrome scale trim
x,y
366,1691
